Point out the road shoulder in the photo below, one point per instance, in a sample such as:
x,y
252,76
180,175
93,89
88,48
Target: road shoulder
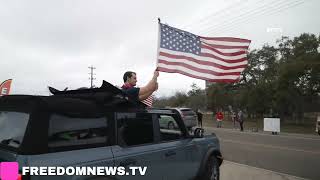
x,y
235,171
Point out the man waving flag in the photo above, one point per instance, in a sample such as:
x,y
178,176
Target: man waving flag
x,y
214,59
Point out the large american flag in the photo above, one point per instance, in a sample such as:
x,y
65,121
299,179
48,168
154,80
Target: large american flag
x,y
214,59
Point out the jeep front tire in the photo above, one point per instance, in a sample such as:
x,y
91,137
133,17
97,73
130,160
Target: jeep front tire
x,y
212,170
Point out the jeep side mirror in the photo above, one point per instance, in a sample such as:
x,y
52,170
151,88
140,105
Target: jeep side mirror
x,y
198,133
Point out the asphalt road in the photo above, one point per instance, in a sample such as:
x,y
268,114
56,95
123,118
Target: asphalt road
x,y
296,155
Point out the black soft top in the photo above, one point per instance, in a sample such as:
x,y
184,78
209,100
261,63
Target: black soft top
x,y
84,101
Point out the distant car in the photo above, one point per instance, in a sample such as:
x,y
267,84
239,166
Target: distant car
x,y
167,122
102,127
188,116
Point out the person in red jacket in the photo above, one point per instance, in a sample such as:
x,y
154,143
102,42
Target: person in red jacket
x,y
219,117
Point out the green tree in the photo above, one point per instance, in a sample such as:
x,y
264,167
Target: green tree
x,y
196,98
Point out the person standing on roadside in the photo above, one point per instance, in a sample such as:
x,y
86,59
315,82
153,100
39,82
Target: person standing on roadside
x,y
219,117
240,119
234,119
199,115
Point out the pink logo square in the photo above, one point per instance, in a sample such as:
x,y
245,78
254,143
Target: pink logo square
x,y
9,170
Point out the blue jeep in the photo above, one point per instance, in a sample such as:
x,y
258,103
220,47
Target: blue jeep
x,y
102,127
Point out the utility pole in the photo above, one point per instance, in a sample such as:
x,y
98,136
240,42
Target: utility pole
x,y
91,76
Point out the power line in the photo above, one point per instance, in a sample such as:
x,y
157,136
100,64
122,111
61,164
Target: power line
x,y
226,11
273,11
217,18
218,13
255,15
231,29
249,14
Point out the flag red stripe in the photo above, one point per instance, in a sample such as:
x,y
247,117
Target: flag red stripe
x,y
207,63
198,69
222,53
228,39
197,77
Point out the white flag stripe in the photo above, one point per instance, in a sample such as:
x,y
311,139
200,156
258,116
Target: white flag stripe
x,y
200,66
225,43
230,50
203,50
196,73
202,58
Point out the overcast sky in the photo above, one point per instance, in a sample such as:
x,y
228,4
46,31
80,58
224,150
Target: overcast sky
x,y
53,42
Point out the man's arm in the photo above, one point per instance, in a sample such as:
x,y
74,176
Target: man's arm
x,y
152,86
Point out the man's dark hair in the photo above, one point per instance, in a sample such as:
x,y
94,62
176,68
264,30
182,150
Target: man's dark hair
x,y
127,75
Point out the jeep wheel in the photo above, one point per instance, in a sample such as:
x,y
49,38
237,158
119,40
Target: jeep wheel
x,y
170,125
212,171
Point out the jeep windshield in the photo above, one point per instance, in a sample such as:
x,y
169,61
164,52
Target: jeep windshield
x,y
12,127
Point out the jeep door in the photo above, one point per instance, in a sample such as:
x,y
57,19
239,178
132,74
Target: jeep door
x,y
135,138
177,152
